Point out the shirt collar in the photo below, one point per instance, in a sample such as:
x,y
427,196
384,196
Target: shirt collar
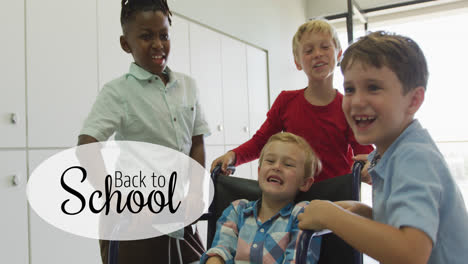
x,y
143,75
253,209
413,126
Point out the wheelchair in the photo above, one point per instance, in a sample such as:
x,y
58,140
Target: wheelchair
x,y
228,189
333,250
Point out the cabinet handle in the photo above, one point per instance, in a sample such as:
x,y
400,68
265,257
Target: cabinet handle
x,y
246,129
13,118
16,180
220,127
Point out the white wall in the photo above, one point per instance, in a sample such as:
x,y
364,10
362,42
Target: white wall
x,y
268,24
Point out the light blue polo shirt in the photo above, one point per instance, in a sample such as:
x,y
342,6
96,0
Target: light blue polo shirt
x,y
412,186
139,107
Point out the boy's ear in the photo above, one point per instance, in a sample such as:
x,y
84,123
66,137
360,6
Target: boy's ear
x,y
416,100
124,44
305,186
298,66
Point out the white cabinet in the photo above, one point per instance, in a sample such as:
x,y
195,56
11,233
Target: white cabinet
x,y
12,107
233,82
179,57
61,69
257,83
14,220
235,94
52,245
205,61
212,152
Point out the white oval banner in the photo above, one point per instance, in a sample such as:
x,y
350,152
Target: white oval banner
x,y
120,190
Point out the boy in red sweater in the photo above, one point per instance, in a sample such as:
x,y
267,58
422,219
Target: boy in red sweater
x,y
314,112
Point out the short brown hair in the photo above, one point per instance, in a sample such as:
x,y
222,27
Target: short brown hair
x,y
312,165
400,54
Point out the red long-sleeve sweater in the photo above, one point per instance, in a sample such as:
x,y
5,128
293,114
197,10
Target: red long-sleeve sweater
x,y
324,127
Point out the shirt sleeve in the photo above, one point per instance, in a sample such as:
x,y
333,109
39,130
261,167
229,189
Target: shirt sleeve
x,y
105,116
295,232
251,149
416,186
227,232
201,125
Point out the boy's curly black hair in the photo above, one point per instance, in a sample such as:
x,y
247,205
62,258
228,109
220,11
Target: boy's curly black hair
x,y
131,7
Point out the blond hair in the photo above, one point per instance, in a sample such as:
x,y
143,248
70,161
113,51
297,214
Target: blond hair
x,y
312,165
317,26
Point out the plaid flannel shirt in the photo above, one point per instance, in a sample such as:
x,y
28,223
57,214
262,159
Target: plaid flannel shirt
x,y
242,238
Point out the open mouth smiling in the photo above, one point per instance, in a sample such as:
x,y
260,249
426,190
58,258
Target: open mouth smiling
x,y
275,179
320,64
364,121
159,59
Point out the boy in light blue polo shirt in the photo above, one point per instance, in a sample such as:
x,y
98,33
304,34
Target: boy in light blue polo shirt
x,y
418,213
150,104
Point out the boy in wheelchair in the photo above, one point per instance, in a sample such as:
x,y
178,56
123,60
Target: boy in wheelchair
x,y
266,230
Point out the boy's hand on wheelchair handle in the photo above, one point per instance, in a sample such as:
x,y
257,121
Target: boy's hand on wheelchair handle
x,y
365,177
315,214
225,160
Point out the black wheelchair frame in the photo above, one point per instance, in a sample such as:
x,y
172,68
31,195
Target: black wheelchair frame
x,y
228,189
334,250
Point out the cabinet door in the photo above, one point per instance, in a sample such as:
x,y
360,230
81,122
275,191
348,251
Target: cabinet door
x,y
236,105
52,245
179,58
113,61
62,69
257,82
205,61
12,101
14,221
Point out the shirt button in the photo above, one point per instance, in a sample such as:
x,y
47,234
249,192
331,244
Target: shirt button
x,y
175,119
254,245
262,230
